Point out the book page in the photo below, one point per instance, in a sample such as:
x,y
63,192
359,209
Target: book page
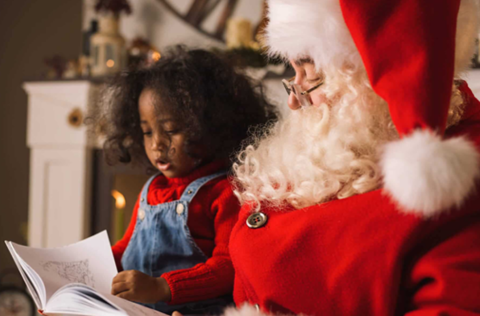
x,y
88,262
78,299
31,288
133,309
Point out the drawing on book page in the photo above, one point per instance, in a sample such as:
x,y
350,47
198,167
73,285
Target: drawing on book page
x,y
74,272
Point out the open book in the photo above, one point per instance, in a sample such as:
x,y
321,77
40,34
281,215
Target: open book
x,y
75,279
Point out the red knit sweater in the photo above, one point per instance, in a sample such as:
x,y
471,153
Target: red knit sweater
x,y
211,217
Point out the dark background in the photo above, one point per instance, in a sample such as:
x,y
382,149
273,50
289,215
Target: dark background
x,y
30,30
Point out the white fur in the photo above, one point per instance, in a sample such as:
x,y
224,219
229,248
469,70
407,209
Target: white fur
x,y
313,28
319,153
316,29
244,310
427,175
248,310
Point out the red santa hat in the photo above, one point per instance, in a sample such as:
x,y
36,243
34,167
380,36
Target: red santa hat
x,y
411,50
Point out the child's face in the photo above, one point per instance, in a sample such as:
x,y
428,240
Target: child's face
x,y
163,138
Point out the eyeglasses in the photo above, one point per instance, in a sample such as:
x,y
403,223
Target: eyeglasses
x,y
302,96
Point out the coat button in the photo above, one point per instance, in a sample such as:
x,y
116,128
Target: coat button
x,y
141,214
180,209
256,220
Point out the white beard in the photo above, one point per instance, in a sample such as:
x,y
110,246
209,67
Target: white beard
x,y
317,154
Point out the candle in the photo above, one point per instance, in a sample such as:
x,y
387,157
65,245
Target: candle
x,y
119,216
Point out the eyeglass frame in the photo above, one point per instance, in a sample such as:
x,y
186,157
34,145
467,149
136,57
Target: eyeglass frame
x,y
290,87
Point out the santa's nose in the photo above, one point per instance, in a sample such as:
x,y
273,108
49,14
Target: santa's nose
x,y
293,102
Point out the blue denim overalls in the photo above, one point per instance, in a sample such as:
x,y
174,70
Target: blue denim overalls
x,y
161,242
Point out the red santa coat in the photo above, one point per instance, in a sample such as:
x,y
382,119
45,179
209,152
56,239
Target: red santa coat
x,y
362,255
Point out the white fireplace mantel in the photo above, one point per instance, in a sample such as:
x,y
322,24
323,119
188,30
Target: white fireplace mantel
x,y
60,162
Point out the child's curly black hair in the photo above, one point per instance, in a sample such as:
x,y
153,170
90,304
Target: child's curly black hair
x,y
214,105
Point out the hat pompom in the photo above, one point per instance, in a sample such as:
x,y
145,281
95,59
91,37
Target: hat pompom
x,y
427,175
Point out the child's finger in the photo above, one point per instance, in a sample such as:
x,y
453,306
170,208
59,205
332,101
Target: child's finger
x,y
127,295
120,287
177,314
120,277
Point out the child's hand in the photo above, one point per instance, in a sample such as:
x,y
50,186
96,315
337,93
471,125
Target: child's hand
x,y
138,287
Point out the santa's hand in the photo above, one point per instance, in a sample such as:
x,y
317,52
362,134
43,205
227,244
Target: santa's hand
x,y
139,287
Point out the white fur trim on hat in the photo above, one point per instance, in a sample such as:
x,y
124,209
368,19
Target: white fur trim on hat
x,y
310,28
427,175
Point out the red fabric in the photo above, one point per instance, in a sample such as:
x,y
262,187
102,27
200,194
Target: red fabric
x,y
211,217
412,63
362,256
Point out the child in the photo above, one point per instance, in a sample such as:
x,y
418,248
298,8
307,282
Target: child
x,y
183,117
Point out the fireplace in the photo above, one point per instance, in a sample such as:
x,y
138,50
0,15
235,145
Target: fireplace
x,y
115,192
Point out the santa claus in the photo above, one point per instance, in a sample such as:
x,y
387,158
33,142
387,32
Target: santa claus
x,y
365,200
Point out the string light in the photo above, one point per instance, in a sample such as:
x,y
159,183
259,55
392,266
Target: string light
x,y
156,56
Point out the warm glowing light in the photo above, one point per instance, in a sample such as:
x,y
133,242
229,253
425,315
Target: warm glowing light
x,y
110,63
119,199
156,56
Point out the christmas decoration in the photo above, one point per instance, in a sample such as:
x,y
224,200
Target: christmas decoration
x,y
108,51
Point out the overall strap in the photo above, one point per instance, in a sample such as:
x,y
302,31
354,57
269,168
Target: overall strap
x,y
196,185
146,187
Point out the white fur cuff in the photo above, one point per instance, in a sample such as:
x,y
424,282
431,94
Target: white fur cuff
x,y
427,175
244,310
